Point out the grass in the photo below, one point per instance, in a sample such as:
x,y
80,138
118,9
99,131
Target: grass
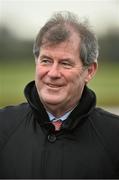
x,y
106,85
14,77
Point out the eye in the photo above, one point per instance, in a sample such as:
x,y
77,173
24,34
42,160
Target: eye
x,y
66,64
45,61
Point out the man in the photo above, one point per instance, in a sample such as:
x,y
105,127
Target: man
x,y
84,143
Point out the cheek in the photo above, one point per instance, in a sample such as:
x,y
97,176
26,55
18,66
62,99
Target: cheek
x,y
73,83
39,73
77,81
74,78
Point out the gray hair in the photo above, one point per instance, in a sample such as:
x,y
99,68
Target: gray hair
x,y
59,28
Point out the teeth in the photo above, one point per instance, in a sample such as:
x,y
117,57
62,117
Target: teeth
x,y
51,85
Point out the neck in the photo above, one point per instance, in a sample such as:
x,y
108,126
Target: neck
x,y
58,111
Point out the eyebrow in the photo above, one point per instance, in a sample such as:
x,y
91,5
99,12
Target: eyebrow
x,y
45,56
66,59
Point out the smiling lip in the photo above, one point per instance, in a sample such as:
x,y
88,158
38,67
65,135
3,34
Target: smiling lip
x,y
54,85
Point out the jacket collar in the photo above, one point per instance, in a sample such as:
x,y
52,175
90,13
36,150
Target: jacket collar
x,y
82,110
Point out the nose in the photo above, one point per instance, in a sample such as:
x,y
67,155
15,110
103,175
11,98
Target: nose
x,y
54,71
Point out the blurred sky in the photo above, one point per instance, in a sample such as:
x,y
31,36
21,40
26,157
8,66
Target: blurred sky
x,y
25,17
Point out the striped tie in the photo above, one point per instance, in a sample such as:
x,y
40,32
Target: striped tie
x,y
57,124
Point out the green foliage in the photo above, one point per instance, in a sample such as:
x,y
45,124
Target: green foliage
x,y
13,49
109,47
14,77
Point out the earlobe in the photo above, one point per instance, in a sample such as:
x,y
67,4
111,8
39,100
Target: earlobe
x,y
91,71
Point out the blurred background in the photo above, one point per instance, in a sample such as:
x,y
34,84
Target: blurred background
x,y
20,21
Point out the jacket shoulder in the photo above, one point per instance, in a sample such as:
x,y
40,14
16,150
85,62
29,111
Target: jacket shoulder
x,y
106,122
10,118
11,111
106,118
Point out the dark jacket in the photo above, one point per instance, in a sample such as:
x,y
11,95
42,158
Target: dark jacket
x,y
86,147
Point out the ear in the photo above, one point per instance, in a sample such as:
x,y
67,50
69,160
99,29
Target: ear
x,y
36,60
91,71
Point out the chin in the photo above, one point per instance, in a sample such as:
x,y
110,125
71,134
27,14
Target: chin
x,y
51,100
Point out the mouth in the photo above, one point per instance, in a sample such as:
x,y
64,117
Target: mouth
x,y
53,86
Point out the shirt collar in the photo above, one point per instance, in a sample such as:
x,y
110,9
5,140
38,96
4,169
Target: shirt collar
x,y
62,118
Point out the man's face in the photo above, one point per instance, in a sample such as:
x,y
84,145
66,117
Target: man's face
x,y
60,76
